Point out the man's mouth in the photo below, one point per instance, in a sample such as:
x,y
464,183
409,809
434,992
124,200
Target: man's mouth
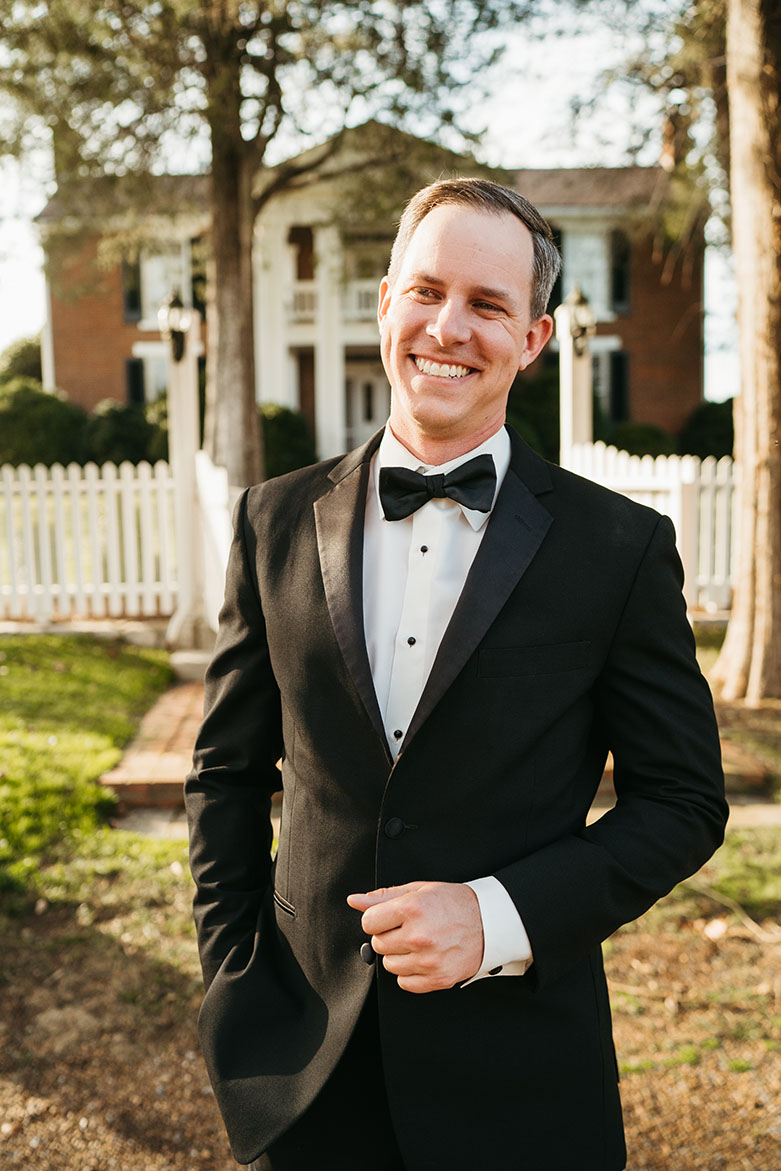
x,y
441,369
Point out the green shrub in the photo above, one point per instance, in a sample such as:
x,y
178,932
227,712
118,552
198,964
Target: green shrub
x,y
708,431
22,359
121,431
533,407
156,413
287,441
70,702
39,427
641,439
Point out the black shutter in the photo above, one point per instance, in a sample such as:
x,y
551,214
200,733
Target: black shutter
x,y
555,298
619,386
131,290
619,271
134,381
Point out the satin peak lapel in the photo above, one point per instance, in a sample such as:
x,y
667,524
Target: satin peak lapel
x,y
515,532
339,519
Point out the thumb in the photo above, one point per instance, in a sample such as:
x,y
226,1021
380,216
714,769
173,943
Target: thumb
x,y
362,902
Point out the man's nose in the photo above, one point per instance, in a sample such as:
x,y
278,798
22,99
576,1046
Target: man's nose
x,y
450,326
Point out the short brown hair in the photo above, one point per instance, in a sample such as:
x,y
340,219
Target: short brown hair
x,y
486,196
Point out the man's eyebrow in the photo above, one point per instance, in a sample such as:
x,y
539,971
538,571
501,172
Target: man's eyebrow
x,y
483,292
489,294
424,278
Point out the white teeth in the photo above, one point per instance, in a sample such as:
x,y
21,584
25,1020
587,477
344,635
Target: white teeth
x,y
427,367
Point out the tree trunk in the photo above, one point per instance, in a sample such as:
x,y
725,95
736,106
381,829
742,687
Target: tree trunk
x,y
232,429
749,666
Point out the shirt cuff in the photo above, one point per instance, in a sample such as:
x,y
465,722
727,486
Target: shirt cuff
x,y
506,947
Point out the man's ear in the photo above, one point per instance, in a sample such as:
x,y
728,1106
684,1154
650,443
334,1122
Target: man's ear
x,y
538,335
384,301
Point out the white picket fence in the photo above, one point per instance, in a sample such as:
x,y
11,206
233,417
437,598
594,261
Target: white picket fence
x,y
101,541
698,495
87,541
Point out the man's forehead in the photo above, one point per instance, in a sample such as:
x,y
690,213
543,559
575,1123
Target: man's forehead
x,y
484,227
492,250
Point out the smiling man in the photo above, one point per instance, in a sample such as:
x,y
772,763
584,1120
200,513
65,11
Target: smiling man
x,y
442,636
457,325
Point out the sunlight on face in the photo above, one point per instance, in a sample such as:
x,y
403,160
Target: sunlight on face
x,y
456,325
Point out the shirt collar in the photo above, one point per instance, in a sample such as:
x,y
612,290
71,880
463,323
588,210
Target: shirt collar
x,y
392,453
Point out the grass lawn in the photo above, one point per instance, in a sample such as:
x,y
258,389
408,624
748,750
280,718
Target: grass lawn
x,y
100,986
99,1059
68,705
756,730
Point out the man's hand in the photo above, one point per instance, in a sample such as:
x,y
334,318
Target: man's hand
x,y
430,934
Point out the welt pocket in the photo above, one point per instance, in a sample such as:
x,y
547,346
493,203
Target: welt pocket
x,y
284,905
533,660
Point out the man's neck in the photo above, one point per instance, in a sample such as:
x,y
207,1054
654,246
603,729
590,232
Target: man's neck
x,y
433,450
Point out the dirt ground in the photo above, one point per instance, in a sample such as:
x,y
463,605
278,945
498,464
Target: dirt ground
x,y
99,1062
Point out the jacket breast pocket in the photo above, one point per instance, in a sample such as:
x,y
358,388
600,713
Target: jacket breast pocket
x,y
496,662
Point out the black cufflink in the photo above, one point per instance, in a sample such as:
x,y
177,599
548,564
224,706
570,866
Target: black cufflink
x,y
367,953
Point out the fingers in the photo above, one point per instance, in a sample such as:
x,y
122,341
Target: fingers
x,y
429,933
384,909
413,972
362,902
421,984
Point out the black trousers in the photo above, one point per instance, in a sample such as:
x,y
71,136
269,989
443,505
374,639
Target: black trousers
x,y
348,1127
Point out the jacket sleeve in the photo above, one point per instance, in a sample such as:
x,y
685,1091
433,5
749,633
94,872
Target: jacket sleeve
x,y
228,792
656,713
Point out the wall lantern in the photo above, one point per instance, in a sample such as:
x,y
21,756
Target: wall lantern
x,y
583,319
174,321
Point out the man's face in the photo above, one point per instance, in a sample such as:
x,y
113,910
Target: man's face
x,y
456,325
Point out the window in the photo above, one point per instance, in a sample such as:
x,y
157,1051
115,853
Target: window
x,y
302,239
586,257
163,272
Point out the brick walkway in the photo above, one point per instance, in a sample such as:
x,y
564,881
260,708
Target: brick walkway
x,y
148,779
155,763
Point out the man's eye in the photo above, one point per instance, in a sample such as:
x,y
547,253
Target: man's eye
x,y
487,306
426,293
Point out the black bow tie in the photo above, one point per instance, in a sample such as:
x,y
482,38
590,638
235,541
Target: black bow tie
x,y
472,484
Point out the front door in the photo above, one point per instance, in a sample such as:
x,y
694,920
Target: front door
x,y
367,400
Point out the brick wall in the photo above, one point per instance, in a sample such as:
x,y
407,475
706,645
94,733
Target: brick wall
x,y
663,335
91,338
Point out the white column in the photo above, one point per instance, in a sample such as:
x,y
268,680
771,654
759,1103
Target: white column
x,y
273,292
576,409
330,415
187,628
48,373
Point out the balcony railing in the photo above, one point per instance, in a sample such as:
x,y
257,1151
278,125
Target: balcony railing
x,y
359,301
304,304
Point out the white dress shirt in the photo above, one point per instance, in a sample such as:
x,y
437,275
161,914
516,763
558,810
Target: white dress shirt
x,y
413,573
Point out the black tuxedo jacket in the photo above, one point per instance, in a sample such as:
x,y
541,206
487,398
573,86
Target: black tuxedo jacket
x,y
570,638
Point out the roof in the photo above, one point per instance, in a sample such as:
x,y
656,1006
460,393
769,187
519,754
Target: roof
x,y
155,193
580,187
562,188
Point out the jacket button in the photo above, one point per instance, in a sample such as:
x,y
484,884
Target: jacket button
x,y
394,827
367,953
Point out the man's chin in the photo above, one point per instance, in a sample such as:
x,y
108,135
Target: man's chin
x,y
434,424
